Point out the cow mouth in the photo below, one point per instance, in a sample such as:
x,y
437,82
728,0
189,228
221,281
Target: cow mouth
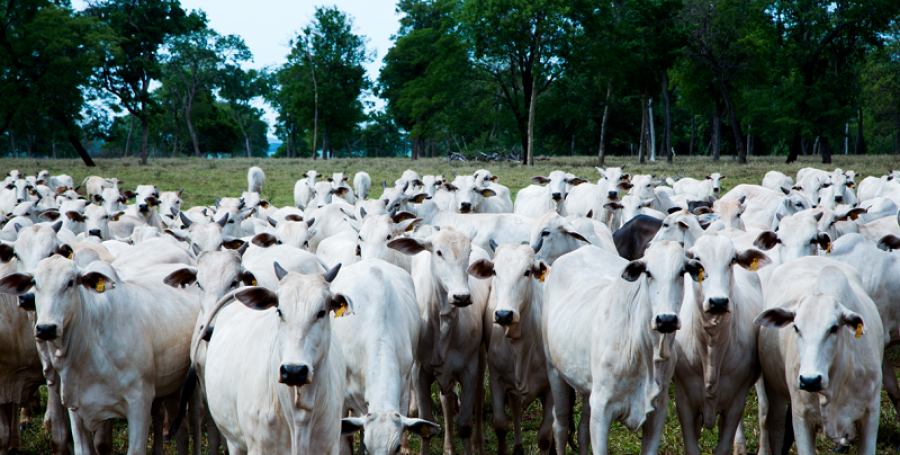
x,y
465,210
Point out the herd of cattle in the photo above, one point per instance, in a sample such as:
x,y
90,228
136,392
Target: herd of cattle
x,y
292,328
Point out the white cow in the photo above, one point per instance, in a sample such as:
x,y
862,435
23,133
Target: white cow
x,y
699,189
467,196
517,365
377,230
776,180
451,343
379,344
305,189
716,346
535,201
624,368
339,183
820,333
256,179
559,236
362,183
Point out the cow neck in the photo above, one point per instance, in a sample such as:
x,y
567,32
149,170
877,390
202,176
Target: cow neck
x,y
842,393
529,342
383,391
433,215
442,318
712,336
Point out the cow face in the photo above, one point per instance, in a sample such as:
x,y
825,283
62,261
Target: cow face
x,y
515,273
111,200
730,212
631,206
716,179
450,251
325,193
483,178
383,430
205,236
820,324
717,256
467,194
302,307
616,181
293,231
170,202
643,186
798,235
22,189
377,230
662,268
808,188
557,236
680,226
555,184
431,182
217,273
96,221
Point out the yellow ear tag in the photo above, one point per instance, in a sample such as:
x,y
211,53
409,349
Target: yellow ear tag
x,y
754,266
100,287
426,432
700,276
853,216
828,250
340,311
253,283
71,253
858,330
543,275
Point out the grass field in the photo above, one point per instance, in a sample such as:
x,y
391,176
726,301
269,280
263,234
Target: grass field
x,y
204,180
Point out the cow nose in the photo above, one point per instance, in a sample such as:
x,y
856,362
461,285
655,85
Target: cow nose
x,y
20,200
465,207
95,232
718,305
358,250
26,301
557,196
503,317
143,207
839,198
293,375
666,323
613,195
45,332
461,299
811,384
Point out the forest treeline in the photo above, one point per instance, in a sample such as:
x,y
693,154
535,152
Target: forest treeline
x,y
655,79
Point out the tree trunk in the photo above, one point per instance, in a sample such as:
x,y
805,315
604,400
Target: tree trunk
x,y
816,146
12,145
693,131
652,130
415,149
325,144
667,142
846,136
145,128
804,146
175,145
602,154
529,157
643,145
717,132
128,140
860,140
76,143
825,148
312,70
54,148
796,148
189,106
29,140
432,147
572,148
247,145
749,147
735,124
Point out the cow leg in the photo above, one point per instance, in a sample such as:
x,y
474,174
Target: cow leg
x,y
6,428
740,439
478,406
157,415
501,424
561,393
771,419
804,433
448,404
728,425
139,426
515,405
600,421
688,418
57,420
195,407
182,437
26,417
103,438
213,435
655,423
81,437
422,381
584,425
889,380
545,432
407,396
867,428
471,385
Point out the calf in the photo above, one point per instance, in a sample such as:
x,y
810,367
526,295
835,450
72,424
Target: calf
x,y
305,189
256,178
362,183
290,389
699,189
623,370
535,201
835,338
515,355
339,183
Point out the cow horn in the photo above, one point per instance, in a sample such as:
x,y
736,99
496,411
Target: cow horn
x,y
494,245
332,274
537,245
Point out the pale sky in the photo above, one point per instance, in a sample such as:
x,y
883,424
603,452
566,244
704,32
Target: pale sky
x,y
268,25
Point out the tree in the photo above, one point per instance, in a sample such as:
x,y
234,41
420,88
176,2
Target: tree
x,y
47,54
132,61
239,89
519,45
195,61
328,49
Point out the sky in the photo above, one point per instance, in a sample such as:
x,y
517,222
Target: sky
x,y
268,25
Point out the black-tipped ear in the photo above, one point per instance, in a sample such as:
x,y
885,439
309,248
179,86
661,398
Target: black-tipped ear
x,y
824,241
402,216
854,322
887,243
181,277
752,259
257,298
330,275
233,244
65,251
695,268
16,283
766,241
7,252
407,246
248,278
350,426
481,269
75,216
264,240
673,210
775,318
280,272
633,270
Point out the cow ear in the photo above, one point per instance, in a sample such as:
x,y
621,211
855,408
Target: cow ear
x,y
624,185
264,240
257,298
723,178
673,210
824,241
421,428
50,215
402,216
248,278
351,425
887,243
612,206
766,241
854,322
293,217
539,270
408,225
702,210
575,235
182,277
129,194
97,282
16,283
410,247
540,180
695,268
486,192
7,252
340,191
775,318
264,203
75,216
340,304
633,270
65,251
708,178
271,221
752,259
329,179
233,244
481,269
418,198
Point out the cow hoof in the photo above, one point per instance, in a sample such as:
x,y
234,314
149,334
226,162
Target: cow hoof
x,y
518,450
841,449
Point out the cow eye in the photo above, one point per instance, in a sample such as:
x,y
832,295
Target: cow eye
x,y
665,225
234,283
545,233
833,329
528,273
321,314
799,204
389,237
230,221
278,312
70,283
439,254
796,329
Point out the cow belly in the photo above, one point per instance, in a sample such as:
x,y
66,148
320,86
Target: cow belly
x,y
20,365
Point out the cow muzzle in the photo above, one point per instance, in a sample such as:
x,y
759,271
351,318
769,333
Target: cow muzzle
x,y
718,305
144,208
96,232
461,300
556,196
613,195
294,375
465,207
666,323
45,332
504,317
839,199
811,383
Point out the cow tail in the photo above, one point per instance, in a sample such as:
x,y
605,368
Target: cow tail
x,y
187,391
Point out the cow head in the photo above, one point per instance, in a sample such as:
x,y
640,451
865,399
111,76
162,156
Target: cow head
x,y
302,307
730,212
377,231
217,273
717,256
384,430
798,235
680,226
553,236
467,194
643,186
555,184
449,261
716,179
616,181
